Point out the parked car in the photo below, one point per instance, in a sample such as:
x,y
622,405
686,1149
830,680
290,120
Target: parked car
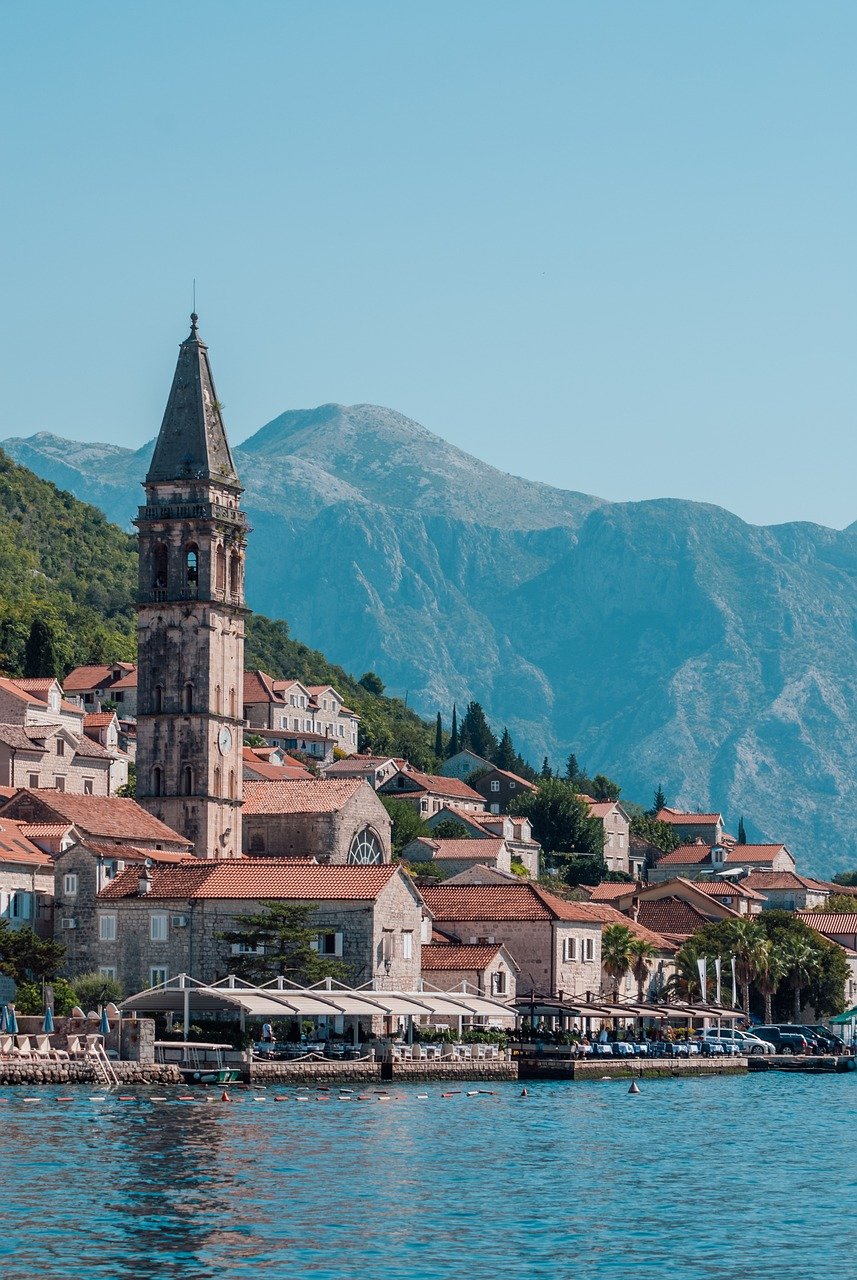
x,y
710,1038
783,1041
830,1041
813,1041
737,1042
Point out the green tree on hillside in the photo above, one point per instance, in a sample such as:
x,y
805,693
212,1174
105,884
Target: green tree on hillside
x,y
372,683
438,737
406,820
453,747
477,732
560,819
40,659
742,834
659,802
604,788
505,756
661,834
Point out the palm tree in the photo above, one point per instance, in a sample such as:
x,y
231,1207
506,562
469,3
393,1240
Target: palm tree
x,y
616,955
747,941
801,964
641,953
685,980
770,972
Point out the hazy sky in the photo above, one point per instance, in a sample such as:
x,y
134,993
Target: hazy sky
x,y
607,245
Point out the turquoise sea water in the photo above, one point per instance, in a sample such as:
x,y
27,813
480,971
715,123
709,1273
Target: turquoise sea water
x,y
719,1178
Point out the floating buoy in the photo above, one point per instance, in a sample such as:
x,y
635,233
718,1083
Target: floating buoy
x,y
224,1097
472,1093
524,1093
258,1099
421,1097
126,1097
65,1099
281,1097
635,1088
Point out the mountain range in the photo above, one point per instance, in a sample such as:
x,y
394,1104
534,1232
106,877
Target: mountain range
x,y
664,642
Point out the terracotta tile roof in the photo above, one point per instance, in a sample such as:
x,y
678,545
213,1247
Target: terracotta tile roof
x,y
512,777
258,768
106,816
358,763
15,847
98,719
830,921
439,956
259,879
439,786
9,687
90,749
521,901
609,915
598,808
763,880
318,795
38,685
18,737
671,916
45,830
678,818
477,850
726,889
687,855
607,892
82,679
128,681
316,689
259,687
125,853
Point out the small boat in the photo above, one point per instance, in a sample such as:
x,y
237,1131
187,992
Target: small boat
x,y
199,1063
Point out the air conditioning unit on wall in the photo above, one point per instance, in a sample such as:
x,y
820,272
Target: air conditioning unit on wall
x,y
178,922
68,922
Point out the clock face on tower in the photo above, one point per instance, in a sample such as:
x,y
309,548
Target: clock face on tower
x,y
224,740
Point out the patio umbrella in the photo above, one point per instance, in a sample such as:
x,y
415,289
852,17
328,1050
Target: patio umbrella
x,y
11,1020
104,1028
48,1024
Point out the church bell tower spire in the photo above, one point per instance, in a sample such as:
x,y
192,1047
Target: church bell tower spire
x,y
190,618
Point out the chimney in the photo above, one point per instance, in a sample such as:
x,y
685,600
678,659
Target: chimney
x,y
144,884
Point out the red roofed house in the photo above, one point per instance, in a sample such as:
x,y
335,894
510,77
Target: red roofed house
x,y
517,833
43,743
332,820
168,920
271,764
616,824
707,827
115,682
498,788
26,881
693,860
373,769
703,895
556,943
787,891
452,856
311,718
428,792
490,969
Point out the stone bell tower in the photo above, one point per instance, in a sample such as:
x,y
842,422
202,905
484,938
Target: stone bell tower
x,y
190,618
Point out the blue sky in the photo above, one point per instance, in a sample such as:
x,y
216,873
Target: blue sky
x,y
610,246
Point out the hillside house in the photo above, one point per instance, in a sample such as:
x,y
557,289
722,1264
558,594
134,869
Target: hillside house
x,y
693,860
463,764
490,969
373,769
43,743
26,881
516,832
96,685
299,717
429,793
339,821
690,827
452,856
271,764
616,825
168,920
786,890
498,788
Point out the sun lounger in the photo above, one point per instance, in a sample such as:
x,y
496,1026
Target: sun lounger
x,y
25,1048
8,1048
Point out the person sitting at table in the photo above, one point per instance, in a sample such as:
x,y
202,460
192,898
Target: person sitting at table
x,y
267,1033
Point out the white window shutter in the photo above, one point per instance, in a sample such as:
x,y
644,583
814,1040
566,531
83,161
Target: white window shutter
x,y
314,943
337,945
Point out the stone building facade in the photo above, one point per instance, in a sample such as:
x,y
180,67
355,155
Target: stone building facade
x,y
43,743
499,788
26,881
452,856
190,618
490,969
616,825
169,920
334,821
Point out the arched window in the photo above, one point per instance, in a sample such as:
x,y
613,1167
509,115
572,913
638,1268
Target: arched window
x,y
158,698
366,849
234,574
220,570
217,781
187,697
157,781
159,566
192,569
231,784
187,780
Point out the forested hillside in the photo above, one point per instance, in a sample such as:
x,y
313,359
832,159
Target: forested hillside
x,y
63,563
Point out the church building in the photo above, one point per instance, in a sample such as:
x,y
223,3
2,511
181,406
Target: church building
x,y
190,618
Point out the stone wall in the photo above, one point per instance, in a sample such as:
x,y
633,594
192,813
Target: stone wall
x,y
326,837
17,1072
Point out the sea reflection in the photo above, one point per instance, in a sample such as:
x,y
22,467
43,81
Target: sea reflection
x,y
713,1178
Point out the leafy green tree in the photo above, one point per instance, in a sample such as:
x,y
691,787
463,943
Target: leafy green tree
x,y
576,870
824,983
770,972
547,771
25,957
506,756
40,657
661,834
616,954
453,746
846,878
129,789
604,788
283,937
449,829
372,683
642,953
31,997
742,834
560,819
477,732
93,989
406,820
438,737
748,944
658,803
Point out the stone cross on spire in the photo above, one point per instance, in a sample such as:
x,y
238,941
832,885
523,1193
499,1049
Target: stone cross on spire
x,y
192,442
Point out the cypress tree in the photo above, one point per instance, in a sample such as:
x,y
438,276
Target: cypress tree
x,y
742,834
659,801
506,757
438,738
479,736
546,772
39,657
453,746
